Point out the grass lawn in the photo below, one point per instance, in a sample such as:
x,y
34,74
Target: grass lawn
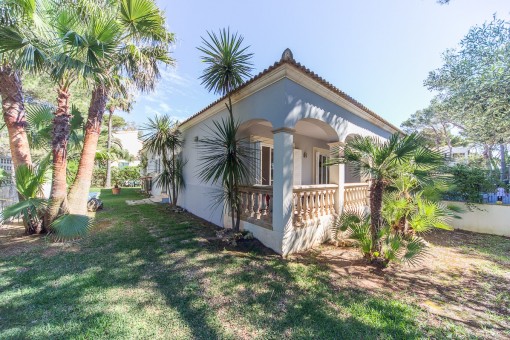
x,y
146,272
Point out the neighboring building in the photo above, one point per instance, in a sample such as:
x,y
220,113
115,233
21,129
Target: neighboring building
x,y
292,118
129,141
459,154
8,193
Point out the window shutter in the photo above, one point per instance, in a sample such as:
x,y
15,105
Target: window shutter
x,y
298,166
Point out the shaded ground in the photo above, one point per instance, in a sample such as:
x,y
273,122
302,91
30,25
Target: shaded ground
x,y
464,280
146,272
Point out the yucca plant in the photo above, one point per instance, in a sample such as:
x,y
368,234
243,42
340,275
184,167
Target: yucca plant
x,y
223,158
164,138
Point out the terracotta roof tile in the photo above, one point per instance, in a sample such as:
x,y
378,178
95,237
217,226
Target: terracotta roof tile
x,y
311,74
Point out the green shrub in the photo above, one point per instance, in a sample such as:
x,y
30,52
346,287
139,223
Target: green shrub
x,y
469,182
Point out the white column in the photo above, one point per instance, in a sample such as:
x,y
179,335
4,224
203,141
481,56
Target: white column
x,y
337,176
283,179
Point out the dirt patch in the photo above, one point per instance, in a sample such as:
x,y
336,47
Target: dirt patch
x,y
13,239
459,280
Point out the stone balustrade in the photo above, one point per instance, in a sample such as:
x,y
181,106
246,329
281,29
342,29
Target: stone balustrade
x,y
310,202
313,201
257,205
356,195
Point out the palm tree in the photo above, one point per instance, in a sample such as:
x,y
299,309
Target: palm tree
x,y
410,207
29,182
69,46
141,45
11,91
380,161
228,65
116,101
163,136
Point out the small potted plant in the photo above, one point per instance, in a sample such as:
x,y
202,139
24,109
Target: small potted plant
x,y
116,189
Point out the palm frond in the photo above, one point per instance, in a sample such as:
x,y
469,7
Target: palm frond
x,y
39,118
228,62
27,207
415,250
71,226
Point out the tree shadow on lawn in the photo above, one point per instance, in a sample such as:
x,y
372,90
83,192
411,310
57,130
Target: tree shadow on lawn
x,y
74,294
256,294
153,275
464,288
486,246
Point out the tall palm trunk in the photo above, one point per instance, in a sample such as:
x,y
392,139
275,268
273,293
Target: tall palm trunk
x,y
13,109
108,183
376,196
14,115
78,194
60,138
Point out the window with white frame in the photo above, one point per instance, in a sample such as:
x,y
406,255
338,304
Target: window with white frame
x,y
266,164
321,171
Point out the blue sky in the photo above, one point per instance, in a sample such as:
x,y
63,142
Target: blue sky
x,y
379,52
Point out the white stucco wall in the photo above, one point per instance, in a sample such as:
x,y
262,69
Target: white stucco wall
x,y
307,144
283,103
484,218
300,238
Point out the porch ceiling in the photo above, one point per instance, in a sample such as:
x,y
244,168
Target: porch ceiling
x,y
309,128
314,129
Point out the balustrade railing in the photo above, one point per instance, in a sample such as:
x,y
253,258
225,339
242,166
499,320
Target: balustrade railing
x,y
356,195
257,205
313,201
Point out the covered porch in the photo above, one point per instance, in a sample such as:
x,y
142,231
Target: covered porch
x,y
292,199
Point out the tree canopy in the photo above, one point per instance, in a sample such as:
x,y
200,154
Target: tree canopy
x,y
473,85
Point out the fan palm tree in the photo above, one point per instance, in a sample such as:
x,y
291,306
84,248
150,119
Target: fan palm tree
x,y
11,90
380,161
29,182
409,208
164,138
228,66
141,45
69,46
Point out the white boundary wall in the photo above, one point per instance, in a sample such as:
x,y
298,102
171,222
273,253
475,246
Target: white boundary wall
x,y
483,218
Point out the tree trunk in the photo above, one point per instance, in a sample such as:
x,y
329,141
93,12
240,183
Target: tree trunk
x,y
79,192
502,151
376,194
108,183
174,194
14,115
13,109
59,140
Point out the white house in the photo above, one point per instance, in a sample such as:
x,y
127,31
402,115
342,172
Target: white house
x,y
293,118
